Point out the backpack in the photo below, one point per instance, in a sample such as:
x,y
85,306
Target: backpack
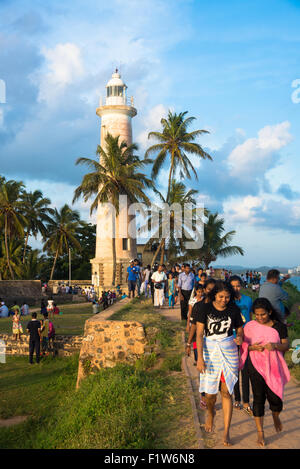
x,y
51,330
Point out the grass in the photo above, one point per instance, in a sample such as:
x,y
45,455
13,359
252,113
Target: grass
x,y
145,405
71,322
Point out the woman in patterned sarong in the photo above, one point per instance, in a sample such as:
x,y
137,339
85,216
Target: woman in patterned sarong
x,y
218,359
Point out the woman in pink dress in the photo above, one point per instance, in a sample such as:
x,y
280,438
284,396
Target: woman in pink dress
x,y
266,341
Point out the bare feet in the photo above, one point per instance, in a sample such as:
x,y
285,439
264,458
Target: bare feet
x,y
209,423
277,423
226,440
260,439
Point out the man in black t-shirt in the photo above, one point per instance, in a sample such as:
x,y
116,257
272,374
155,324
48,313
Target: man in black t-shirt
x,y
34,328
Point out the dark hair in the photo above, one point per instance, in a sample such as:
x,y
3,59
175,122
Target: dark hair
x,y
209,282
33,315
186,265
198,286
45,315
273,273
203,275
236,278
221,286
264,303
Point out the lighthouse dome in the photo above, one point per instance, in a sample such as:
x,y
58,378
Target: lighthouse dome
x,y
116,90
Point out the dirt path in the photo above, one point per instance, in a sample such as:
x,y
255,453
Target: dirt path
x,y
243,430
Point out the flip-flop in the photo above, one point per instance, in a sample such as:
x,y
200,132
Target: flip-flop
x,y
237,406
248,411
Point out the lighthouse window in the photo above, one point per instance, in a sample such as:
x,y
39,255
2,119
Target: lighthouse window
x,y
115,91
125,244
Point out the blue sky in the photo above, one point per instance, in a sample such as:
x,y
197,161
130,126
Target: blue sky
x,y
230,64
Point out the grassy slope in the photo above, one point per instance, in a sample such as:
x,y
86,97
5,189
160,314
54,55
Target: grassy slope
x,y
141,406
71,322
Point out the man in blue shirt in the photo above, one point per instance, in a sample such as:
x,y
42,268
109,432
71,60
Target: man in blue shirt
x,y
244,302
272,290
131,278
186,282
138,276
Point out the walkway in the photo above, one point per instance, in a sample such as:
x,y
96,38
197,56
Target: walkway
x,y
243,430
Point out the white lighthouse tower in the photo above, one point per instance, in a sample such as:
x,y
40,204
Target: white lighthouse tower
x,y
116,115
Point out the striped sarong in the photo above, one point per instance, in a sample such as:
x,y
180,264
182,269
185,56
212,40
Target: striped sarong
x,y
219,355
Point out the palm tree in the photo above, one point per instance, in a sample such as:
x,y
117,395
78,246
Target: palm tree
x,y
31,270
178,232
11,217
117,173
11,263
37,213
62,233
216,243
175,141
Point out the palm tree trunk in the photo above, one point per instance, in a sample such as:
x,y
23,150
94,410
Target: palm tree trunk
x,y
156,254
6,248
114,250
162,251
26,242
54,263
170,179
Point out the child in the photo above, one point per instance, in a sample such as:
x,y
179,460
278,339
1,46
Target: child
x,y
16,325
171,290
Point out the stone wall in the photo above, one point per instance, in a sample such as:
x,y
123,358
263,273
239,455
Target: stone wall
x,y
64,345
106,343
21,290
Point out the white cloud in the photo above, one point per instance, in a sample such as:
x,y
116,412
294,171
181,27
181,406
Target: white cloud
x,y
151,122
255,156
239,210
64,65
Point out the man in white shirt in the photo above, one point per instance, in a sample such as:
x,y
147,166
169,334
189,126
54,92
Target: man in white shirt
x,y
159,278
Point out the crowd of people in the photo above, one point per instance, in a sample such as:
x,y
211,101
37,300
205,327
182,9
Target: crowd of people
x,y
235,340
237,344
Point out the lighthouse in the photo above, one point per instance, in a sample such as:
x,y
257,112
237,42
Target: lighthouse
x,y
116,116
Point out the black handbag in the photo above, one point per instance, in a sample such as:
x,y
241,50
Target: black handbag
x,y
158,286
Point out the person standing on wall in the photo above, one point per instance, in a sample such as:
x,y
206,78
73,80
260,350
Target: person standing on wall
x,y
186,282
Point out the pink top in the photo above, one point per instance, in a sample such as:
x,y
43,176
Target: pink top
x,y
269,364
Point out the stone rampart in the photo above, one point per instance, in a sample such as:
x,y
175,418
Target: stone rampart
x,y
64,345
106,343
21,290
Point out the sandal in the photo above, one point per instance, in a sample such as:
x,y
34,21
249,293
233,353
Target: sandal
x,y
202,404
248,410
237,406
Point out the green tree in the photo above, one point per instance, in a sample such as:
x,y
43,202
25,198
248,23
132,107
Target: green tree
x,y
174,141
12,219
117,173
62,231
33,266
37,212
176,231
11,266
216,242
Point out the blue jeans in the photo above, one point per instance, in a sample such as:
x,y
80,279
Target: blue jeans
x,y
171,300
